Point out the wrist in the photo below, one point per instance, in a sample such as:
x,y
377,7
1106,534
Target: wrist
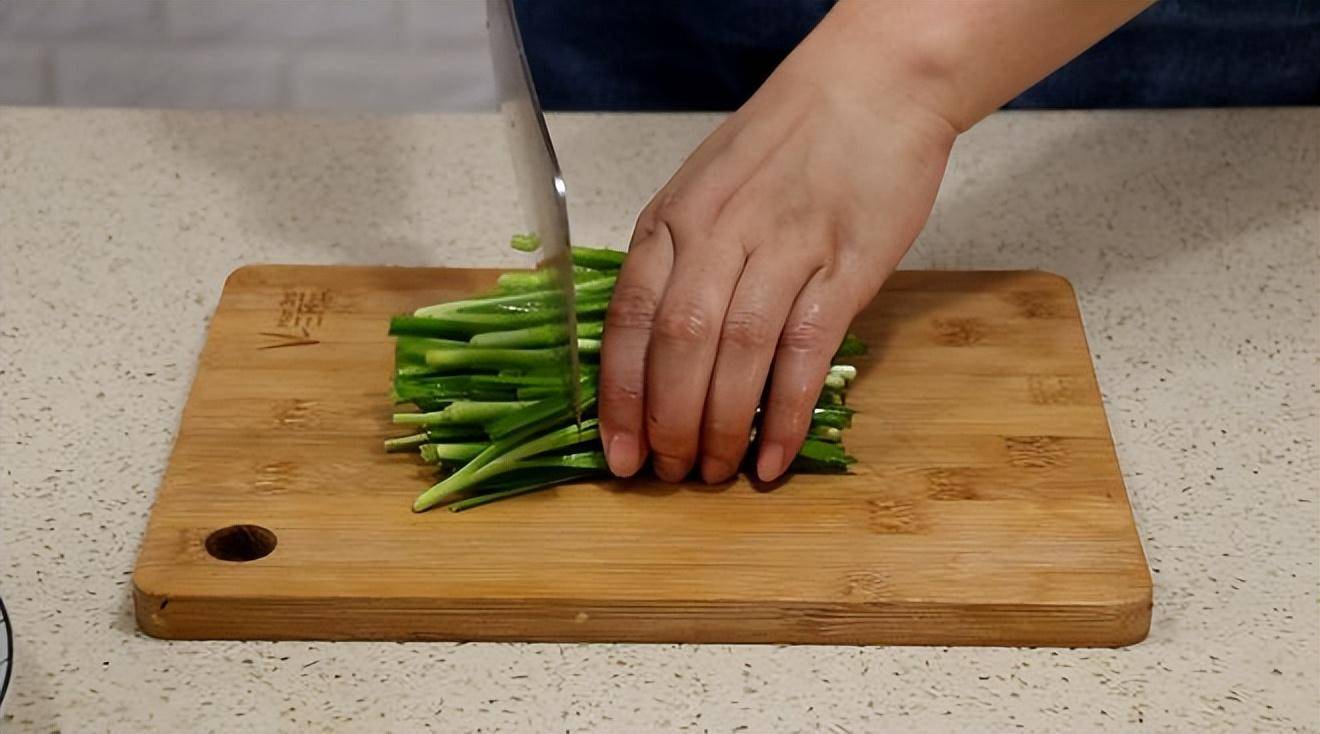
x,y
962,60
891,51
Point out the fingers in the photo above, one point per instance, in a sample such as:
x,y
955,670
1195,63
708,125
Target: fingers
x,y
684,341
752,326
814,328
637,296
692,200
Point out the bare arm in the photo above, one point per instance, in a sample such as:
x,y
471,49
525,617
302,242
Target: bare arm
x,y
962,58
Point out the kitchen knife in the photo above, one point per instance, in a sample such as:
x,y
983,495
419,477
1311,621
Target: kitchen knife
x,y
540,183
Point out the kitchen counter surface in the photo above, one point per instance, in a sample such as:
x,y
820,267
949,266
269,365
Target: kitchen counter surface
x,y
1193,240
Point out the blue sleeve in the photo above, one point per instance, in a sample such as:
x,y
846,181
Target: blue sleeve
x,y
712,55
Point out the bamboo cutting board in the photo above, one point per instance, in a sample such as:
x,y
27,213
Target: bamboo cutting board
x,y
986,508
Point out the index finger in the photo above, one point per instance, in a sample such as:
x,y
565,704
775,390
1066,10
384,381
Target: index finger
x,y
632,310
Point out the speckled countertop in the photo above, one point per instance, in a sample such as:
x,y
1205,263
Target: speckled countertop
x,y
1193,239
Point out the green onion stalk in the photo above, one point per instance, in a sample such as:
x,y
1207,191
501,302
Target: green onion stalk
x,y
481,385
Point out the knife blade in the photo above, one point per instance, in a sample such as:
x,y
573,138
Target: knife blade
x,y
541,186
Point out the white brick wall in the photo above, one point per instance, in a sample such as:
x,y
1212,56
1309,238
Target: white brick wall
x,y
351,55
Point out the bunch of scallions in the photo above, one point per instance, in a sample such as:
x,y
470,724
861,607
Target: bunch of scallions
x,y
486,381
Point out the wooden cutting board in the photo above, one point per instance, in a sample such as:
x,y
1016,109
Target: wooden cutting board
x,y
986,507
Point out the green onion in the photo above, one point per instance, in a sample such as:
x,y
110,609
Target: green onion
x,y
497,491
461,412
521,281
525,242
475,358
486,376
437,452
544,335
598,259
406,443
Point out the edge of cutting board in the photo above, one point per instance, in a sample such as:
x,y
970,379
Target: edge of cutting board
x,y
1117,624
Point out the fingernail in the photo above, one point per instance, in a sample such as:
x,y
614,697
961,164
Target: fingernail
x,y
669,468
715,470
621,454
770,464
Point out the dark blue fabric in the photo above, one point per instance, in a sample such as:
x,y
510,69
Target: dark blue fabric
x,y
712,54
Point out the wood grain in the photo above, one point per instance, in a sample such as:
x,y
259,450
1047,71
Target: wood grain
x,y
987,507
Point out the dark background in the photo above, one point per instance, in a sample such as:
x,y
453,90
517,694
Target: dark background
x,y
712,54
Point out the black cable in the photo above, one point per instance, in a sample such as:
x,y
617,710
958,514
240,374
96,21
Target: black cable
x,y
9,650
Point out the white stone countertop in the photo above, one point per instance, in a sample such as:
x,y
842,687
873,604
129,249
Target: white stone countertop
x,y
1193,240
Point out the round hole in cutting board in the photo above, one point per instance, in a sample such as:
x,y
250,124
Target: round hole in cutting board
x,y
240,543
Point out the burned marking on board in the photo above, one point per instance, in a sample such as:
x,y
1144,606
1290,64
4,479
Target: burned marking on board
x,y
301,312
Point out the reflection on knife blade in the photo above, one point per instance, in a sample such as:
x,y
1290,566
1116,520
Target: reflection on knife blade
x,y
541,185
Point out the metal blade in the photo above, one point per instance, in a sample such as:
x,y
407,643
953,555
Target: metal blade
x,y
540,183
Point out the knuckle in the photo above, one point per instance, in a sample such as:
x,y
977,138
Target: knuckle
x,y
681,213
806,335
631,307
617,392
684,323
748,329
645,226
668,206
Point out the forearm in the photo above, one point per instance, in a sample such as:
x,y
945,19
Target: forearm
x,y
961,59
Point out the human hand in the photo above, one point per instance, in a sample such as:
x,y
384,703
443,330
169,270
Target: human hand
x,y
750,263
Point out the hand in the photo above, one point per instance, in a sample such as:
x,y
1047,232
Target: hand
x,y
752,261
